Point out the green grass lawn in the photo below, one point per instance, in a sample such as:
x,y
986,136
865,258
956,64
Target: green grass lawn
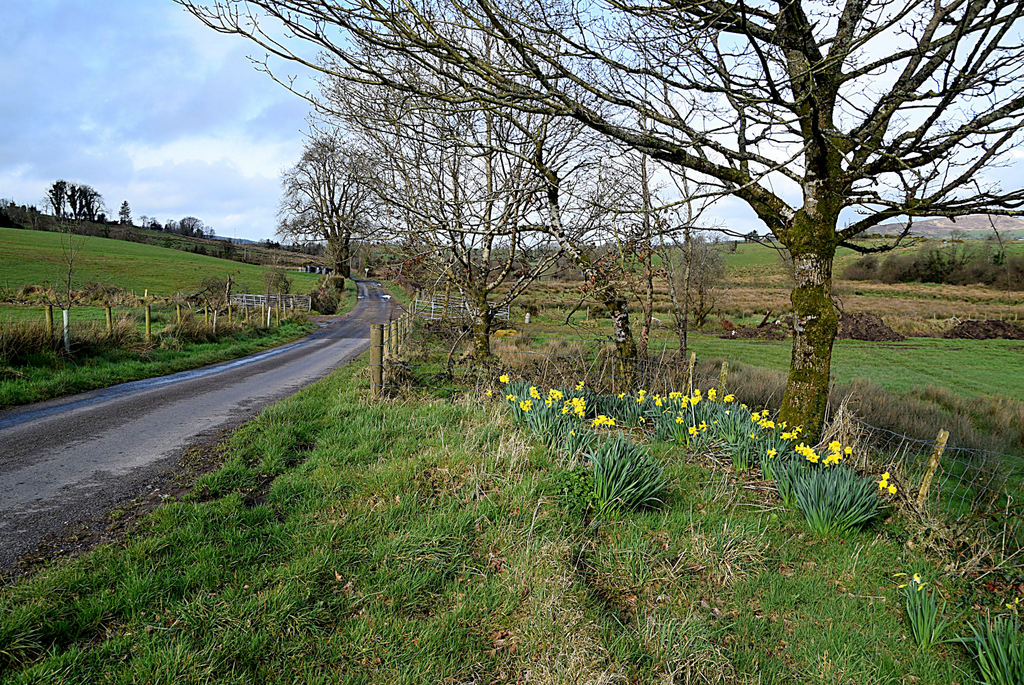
x,y
35,257
967,367
418,540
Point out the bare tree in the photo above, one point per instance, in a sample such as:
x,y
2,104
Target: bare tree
x,y
84,201
459,185
188,226
328,197
57,198
801,109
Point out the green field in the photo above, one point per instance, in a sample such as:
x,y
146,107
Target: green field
x,y
967,367
36,257
310,557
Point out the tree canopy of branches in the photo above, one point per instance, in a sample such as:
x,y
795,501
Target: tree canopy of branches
x,y
328,197
459,186
802,109
76,201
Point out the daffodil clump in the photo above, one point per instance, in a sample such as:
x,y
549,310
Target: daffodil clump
x,y
927,624
622,475
816,480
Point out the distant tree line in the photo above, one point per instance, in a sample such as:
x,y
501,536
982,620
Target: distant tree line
x,y
956,263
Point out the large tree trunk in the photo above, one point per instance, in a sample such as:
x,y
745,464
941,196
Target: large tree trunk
x,y
339,253
483,317
814,330
622,335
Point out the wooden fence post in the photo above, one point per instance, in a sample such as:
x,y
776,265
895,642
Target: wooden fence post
x,y
933,465
264,316
110,319
49,320
229,312
178,309
376,359
693,362
206,315
722,377
149,324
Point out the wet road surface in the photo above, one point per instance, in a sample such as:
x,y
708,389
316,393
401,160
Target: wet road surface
x,y
73,459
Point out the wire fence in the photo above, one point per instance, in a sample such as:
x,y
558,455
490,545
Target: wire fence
x,y
968,484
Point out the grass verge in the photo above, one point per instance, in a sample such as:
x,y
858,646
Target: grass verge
x,y
422,540
49,374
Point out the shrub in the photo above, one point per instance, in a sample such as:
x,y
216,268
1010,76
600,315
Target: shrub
x,y
324,301
999,649
625,476
835,499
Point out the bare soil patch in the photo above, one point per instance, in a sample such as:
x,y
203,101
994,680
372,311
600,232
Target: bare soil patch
x,y
866,326
985,330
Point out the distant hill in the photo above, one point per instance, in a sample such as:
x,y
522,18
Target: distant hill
x,y
37,257
977,227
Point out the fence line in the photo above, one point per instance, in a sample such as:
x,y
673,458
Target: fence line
x,y
286,300
441,306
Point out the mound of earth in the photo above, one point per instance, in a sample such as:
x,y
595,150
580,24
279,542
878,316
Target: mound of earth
x,y
770,332
866,326
985,330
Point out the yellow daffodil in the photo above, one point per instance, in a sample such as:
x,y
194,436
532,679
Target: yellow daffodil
x,y
503,378
712,394
771,454
729,398
579,386
692,430
526,405
892,489
489,393
534,393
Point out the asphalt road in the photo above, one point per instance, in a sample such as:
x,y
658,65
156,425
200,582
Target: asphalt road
x,y
67,462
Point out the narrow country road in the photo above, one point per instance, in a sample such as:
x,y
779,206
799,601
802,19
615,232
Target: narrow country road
x,y
65,463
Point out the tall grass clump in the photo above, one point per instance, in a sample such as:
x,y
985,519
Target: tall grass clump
x,y
626,477
999,650
19,340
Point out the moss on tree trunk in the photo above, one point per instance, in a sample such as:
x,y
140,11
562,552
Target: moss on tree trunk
x,y
622,336
814,330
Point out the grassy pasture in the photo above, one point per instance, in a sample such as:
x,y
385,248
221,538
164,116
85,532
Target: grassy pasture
x,y
417,540
35,257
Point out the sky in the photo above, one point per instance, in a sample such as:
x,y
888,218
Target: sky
x,y
141,101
